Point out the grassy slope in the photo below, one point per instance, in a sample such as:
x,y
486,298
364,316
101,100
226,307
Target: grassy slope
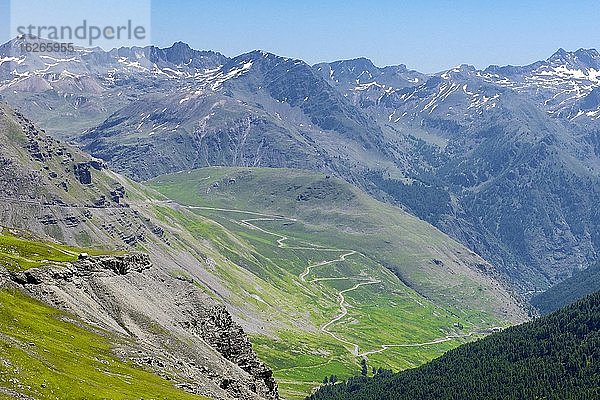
x,y
553,357
46,355
338,218
19,250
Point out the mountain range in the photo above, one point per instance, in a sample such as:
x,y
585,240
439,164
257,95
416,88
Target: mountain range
x,y
505,159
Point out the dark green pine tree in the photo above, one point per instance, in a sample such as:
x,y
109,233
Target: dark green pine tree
x,y
363,367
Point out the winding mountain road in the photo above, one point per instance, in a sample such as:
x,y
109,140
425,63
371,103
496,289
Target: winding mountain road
x,y
344,312
353,348
303,275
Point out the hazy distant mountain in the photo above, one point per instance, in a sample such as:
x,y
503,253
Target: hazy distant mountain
x,y
559,85
70,92
257,109
522,180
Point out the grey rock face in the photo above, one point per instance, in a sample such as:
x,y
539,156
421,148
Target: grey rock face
x,y
82,173
118,265
230,340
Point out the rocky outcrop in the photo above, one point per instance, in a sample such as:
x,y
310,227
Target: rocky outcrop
x,y
117,194
221,332
4,277
82,173
118,265
97,164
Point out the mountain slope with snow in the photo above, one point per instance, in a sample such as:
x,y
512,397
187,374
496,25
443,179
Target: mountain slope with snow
x,y
505,159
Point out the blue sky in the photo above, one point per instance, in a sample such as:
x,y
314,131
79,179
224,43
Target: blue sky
x,y
425,35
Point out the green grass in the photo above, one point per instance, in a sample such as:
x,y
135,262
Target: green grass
x,y
47,356
335,214
300,360
331,218
19,250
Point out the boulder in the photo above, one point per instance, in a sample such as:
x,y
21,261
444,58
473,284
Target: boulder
x,y
82,173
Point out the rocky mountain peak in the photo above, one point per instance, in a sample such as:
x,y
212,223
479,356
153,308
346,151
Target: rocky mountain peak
x,y
579,59
179,45
354,65
262,56
181,54
461,71
560,53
